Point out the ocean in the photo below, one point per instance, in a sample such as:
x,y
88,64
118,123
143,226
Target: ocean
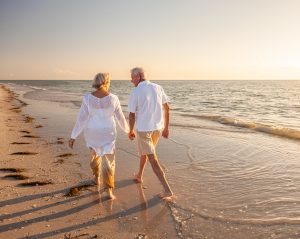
x,y
233,154
267,106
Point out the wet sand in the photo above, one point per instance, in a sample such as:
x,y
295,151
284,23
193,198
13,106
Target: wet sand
x,y
38,170
228,182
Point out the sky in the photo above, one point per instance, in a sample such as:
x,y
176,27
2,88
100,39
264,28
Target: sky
x,y
171,39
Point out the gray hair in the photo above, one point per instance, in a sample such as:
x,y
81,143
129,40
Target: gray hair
x,y
140,72
101,79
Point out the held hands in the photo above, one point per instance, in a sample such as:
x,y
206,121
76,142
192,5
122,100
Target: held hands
x,y
165,133
71,143
131,135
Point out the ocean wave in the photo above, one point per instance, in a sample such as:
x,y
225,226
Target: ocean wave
x,y
264,128
35,87
175,211
76,103
64,99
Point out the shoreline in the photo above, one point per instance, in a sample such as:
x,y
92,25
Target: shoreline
x,y
227,184
40,149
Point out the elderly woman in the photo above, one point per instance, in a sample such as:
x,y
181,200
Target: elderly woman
x,y
97,116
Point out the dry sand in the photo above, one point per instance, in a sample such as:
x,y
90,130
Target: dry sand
x,y
44,211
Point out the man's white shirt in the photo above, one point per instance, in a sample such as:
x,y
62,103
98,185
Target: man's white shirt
x,y
146,101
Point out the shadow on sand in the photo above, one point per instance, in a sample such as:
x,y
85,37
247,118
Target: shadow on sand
x,y
141,207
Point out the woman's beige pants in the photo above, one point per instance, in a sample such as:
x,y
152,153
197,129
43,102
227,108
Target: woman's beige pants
x,y
104,167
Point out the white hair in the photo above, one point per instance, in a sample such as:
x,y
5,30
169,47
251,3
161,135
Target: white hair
x,y
140,72
100,80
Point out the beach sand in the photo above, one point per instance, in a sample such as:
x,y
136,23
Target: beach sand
x,y
228,182
34,143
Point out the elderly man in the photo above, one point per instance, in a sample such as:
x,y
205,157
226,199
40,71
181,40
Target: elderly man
x,y
148,107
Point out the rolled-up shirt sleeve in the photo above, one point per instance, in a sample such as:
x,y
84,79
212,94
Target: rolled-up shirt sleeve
x,y
82,119
165,98
120,117
132,104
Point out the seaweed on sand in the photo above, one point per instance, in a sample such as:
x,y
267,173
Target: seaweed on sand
x,y
75,191
59,161
16,176
68,236
16,109
60,141
25,131
23,153
14,170
20,143
30,136
65,155
35,183
28,119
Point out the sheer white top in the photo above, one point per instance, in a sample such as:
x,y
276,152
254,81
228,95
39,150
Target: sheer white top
x,y
97,118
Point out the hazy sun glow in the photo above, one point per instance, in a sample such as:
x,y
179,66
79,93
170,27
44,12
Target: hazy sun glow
x,y
172,39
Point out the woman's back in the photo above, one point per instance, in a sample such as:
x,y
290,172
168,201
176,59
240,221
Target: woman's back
x,y
101,110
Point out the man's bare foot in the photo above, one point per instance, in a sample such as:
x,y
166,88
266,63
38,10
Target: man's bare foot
x,y
137,178
166,196
97,180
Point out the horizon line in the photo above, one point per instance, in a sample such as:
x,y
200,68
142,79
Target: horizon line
x,y
154,79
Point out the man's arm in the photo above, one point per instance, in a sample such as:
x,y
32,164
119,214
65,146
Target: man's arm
x,y
131,133
165,132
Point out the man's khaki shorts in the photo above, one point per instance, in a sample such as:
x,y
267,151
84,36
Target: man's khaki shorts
x,y
147,141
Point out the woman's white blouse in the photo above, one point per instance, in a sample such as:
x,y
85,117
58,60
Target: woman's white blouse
x,y
97,118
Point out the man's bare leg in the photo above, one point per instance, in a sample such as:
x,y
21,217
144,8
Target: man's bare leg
x,y
167,194
140,174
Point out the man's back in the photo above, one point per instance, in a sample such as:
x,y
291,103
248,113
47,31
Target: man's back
x,y
146,102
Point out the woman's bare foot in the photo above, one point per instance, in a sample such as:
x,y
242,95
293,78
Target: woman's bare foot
x,y
137,178
166,196
110,194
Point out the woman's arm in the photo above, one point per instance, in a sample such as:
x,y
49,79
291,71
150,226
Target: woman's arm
x,y
81,121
